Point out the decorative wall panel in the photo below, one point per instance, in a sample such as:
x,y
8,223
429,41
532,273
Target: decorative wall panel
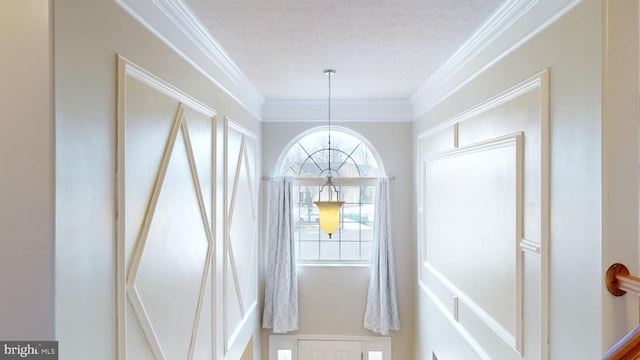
x,y
484,222
240,282
165,243
473,233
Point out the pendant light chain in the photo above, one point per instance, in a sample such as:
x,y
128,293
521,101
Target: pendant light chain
x,y
329,211
329,73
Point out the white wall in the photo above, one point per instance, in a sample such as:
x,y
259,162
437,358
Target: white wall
x,y
27,175
571,48
88,35
332,299
620,160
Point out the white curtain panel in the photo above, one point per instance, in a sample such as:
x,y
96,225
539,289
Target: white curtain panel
x,y
281,288
381,314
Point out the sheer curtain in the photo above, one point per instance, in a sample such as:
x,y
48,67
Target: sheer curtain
x,y
281,288
381,314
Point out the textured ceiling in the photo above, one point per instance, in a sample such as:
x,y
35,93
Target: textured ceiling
x,y
380,49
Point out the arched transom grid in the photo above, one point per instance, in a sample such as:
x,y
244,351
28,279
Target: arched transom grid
x,y
308,156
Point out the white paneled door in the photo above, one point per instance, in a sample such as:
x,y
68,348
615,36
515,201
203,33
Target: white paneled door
x,y
329,350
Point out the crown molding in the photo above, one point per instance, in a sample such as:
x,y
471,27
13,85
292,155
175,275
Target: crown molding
x,y
341,110
176,25
509,27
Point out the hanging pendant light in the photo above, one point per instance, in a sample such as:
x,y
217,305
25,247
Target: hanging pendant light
x,y
329,211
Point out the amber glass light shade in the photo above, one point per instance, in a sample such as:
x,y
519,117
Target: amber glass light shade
x,y
329,213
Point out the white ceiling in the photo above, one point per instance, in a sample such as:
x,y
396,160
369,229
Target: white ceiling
x,y
380,49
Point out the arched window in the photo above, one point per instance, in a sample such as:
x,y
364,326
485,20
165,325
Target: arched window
x,y
355,167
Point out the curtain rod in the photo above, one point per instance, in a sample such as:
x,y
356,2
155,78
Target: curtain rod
x,y
391,177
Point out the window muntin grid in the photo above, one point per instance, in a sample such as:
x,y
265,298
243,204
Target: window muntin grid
x,y
309,157
354,238
354,168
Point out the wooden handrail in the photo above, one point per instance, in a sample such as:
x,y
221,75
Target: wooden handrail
x,y
628,348
619,282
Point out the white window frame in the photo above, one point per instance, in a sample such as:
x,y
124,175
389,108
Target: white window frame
x,y
338,181
313,181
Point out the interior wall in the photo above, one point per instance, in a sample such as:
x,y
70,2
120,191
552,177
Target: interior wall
x,y
332,299
88,37
27,175
571,48
248,353
620,160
